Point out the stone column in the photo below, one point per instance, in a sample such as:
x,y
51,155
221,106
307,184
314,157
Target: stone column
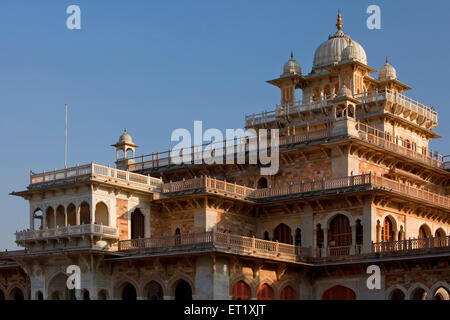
x,y
369,221
77,214
147,222
325,242
353,247
212,281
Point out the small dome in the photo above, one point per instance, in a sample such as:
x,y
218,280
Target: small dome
x,y
352,52
387,72
125,137
332,50
344,92
291,67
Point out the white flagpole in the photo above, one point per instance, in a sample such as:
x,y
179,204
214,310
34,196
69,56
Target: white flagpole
x,y
65,151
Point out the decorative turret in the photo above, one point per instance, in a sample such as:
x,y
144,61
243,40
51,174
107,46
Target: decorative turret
x,y
125,144
387,72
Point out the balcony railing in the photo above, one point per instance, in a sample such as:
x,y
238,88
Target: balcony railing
x,y
411,245
69,231
93,169
386,141
258,248
368,180
366,97
224,242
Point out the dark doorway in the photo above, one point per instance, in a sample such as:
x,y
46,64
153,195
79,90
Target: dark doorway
x,y
137,224
129,292
183,291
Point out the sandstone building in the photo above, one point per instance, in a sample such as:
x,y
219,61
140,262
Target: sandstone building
x,y
357,186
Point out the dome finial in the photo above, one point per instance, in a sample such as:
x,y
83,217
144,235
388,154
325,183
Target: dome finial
x,y
292,55
387,60
339,21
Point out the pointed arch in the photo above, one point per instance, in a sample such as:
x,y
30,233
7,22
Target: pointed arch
x,y
241,291
60,216
265,292
101,214
137,224
50,218
387,230
283,234
340,233
71,215
339,293
85,213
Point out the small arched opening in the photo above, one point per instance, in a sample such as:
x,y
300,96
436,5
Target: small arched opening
x,y
71,215
387,231
17,294
397,294
86,295
60,216
50,218
441,294
265,292
340,233
38,295
287,293
102,295
419,294
183,291
262,183
128,292
38,219
241,291
101,214
339,293
154,291
2,295
85,213
137,224
283,234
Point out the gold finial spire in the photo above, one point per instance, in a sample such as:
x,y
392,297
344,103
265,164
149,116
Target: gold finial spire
x,y
339,21
387,60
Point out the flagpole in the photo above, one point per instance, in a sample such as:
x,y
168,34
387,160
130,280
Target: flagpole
x,y
65,151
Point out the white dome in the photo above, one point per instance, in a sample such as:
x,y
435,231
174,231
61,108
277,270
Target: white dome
x,y
291,67
125,137
387,72
353,52
332,51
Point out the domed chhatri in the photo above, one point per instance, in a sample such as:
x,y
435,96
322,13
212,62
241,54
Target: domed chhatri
x,y
387,72
333,50
291,67
125,137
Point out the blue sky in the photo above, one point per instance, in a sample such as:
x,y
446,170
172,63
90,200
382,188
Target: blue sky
x,y
154,66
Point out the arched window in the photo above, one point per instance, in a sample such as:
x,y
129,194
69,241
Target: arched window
x,y
183,291
85,214
155,291
177,236
265,292
262,183
39,295
287,293
266,235
424,232
282,234
441,294
397,294
71,215
340,233
102,295
339,293
50,218
38,219
17,294
137,224
60,217
387,231
298,237
128,292
101,214
241,291
419,294
86,295
439,233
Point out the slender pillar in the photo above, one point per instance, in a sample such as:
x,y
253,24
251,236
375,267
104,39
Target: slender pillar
x,y
353,247
325,242
77,214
